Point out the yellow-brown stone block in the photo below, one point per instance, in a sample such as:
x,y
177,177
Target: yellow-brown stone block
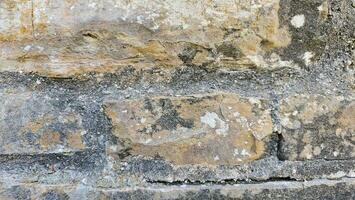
x,y
215,129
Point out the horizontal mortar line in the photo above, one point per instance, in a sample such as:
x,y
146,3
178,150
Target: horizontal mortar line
x,y
322,160
280,183
16,156
209,72
157,187
338,159
97,150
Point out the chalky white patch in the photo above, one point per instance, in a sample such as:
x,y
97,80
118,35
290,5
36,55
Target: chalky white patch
x,y
28,47
298,21
211,119
307,57
244,153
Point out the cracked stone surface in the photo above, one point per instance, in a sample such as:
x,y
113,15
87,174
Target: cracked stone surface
x,y
189,99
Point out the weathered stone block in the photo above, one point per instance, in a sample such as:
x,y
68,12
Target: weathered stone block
x,y
216,129
91,105
66,38
318,127
30,123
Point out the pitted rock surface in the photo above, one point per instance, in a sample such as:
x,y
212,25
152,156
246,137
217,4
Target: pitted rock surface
x,y
218,129
316,126
177,99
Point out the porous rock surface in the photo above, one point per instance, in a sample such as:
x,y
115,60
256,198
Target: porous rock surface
x,y
166,99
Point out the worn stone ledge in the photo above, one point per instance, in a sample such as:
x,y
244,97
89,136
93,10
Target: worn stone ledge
x,y
159,171
315,189
95,171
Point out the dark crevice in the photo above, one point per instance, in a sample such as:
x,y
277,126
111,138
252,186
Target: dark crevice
x,y
15,156
222,182
275,117
280,154
91,35
75,160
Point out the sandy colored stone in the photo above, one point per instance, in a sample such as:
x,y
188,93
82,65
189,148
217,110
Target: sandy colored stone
x,y
214,129
318,126
67,38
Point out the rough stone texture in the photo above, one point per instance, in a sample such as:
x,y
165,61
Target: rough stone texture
x,y
32,123
65,38
186,99
262,170
217,129
316,189
317,126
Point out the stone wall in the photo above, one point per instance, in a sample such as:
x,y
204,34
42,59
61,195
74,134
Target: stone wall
x,y
177,99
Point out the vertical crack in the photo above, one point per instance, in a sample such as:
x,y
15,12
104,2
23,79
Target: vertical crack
x,y
275,116
32,20
279,152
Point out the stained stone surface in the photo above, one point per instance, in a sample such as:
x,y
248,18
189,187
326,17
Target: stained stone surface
x,y
318,127
216,129
64,38
31,123
189,99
